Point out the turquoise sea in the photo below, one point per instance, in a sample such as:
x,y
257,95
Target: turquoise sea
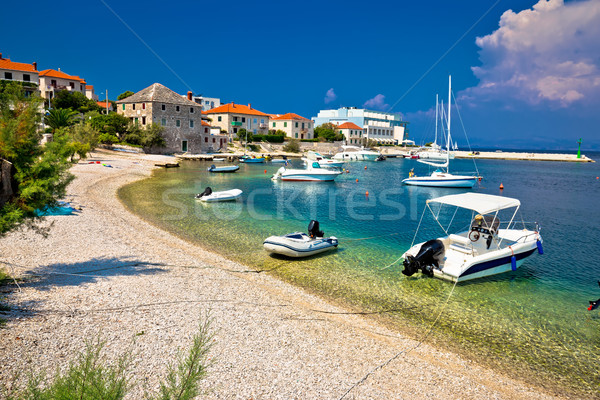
x,y
532,323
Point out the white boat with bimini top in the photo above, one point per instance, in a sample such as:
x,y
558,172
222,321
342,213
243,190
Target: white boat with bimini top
x,y
313,172
484,249
299,244
355,153
226,195
442,177
323,162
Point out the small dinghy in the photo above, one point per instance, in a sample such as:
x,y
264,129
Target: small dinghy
x,y
227,195
223,168
299,244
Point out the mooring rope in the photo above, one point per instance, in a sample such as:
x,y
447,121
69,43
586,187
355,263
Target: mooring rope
x,y
404,351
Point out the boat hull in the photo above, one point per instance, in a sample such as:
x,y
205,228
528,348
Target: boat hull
x,y
226,169
454,182
289,248
227,195
308,178
252,160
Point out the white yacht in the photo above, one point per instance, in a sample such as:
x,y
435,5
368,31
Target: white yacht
x,y
355,153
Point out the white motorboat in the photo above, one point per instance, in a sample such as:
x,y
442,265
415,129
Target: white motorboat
x,y
441,177
323,162
485,249
299,244
313,172
223,168
355,153
227,195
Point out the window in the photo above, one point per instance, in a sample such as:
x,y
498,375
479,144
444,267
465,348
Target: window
x,y
243,119
254,120
205,130
214,141
133,105
72,84
135,120
296,124
219,119
184,146
262,121
285,124
26,77
8,75
163,122
234,130
296,135
177,123
205,139
143,106
53,83
123,107
303,125
177,108
191,110
143,120
273,124
163,107
191,123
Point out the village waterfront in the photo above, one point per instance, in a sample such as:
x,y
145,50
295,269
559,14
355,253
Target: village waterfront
x,y
532,323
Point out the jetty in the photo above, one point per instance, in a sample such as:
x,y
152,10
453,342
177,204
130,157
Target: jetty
x,y
501,155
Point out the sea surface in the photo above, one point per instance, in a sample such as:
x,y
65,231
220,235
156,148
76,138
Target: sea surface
x,y
532,323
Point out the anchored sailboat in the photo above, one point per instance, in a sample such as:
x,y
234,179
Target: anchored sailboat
x,y
442,177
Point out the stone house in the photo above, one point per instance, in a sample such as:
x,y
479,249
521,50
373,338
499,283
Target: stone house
x,y
353,133
232,117
180,117
293,125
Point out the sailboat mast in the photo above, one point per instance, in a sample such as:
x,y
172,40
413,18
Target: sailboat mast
x,y
436,118
449,104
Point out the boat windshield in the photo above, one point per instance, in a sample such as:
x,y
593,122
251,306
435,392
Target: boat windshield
x,y
316,165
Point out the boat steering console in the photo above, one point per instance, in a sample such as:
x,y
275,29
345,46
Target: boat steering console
x,y
486,226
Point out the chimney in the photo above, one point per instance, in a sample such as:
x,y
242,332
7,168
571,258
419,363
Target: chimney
x,y
34,63
0,55
189,95
250,106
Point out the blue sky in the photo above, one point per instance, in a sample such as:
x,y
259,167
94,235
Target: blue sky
x,y
526,73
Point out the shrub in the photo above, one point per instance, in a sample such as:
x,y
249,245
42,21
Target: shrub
x,y
292,146
268,138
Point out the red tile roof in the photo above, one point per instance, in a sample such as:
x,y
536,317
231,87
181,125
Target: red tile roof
x,y
289,116
103,104
204,123
89,87
348,125
5,63
231,108
59,74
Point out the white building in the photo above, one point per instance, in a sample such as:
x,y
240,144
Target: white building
x,y
53,81
207,103
377,125
293,125
27,74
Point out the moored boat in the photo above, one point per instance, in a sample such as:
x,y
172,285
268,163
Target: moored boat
x,y
313,172
224,168
355,153
485,249
299,244
226,195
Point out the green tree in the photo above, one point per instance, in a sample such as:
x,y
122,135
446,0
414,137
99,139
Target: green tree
x,y
292,146
114,124
39,172
241,134
124,95
328,132
74,100
60,118
152,136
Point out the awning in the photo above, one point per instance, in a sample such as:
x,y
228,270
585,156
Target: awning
x,y
481,203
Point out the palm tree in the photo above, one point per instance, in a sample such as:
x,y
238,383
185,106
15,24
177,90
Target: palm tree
x,y
60,117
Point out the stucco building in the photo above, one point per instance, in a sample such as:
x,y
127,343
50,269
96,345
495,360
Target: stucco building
x,y
232,117
378,125
180,117
52,81
353,133
293,125
27,74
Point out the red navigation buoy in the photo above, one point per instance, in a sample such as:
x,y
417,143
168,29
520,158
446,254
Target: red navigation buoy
x,y
265,171
501,186
365,167
367,193
356,180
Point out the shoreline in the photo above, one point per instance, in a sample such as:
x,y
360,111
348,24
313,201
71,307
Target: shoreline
x,y
271,340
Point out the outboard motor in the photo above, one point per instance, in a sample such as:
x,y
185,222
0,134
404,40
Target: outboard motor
x,y
206,192
313,229
429,256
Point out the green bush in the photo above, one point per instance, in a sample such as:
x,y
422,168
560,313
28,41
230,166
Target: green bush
x,y
269,138
292,146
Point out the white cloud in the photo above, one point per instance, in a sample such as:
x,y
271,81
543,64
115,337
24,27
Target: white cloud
x,y
546,54
377,103
330,96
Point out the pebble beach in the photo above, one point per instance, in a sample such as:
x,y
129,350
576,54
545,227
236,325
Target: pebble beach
x,y
106,273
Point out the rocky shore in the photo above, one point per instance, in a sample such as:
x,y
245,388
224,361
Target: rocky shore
x,y
106,273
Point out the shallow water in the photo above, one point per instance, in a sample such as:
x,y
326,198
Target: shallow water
x,y
533,322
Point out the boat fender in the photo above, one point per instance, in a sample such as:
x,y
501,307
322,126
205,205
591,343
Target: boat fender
x,y
513,259
539,247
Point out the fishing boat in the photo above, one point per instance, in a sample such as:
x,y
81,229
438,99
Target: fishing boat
x,y
485,248
299,244
227,195
355,153
442,177
312,156
224,168
313,172
251,159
